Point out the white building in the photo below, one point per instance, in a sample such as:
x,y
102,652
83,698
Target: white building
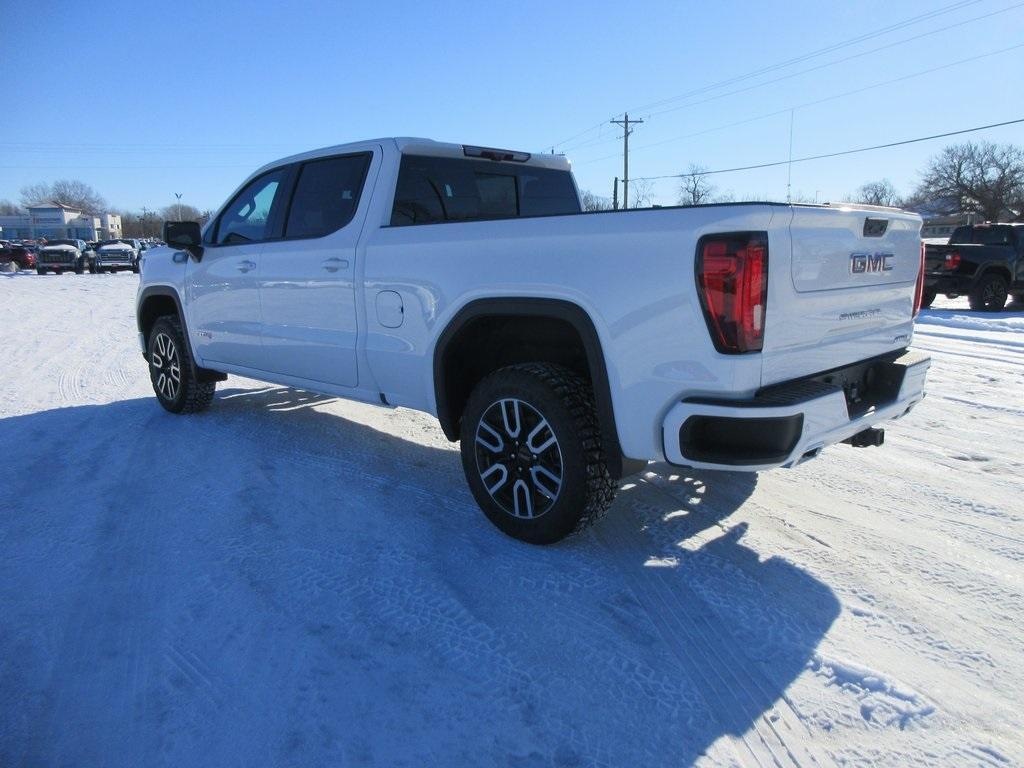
x,y
56,220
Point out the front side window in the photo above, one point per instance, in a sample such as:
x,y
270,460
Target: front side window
x,y
247,218
326,195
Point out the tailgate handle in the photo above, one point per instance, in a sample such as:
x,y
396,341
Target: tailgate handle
x,y
875,227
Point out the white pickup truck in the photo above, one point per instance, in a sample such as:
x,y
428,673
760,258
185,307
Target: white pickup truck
x,y
564,349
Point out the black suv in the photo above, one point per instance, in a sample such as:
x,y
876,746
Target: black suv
x,y
984,261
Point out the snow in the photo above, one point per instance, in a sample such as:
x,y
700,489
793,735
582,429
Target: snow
x,y
288,579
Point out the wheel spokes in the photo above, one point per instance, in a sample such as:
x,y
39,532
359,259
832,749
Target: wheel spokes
x,y
518,458
522,499
537,432
546,481
496,469
510,417
491,440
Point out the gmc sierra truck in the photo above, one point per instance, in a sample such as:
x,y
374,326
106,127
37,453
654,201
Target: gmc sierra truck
x,y
63,256
983,261
563,349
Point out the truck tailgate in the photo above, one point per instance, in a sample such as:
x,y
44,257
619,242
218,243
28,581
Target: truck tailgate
x,y
846,294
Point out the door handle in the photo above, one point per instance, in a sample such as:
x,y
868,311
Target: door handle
x,y
245,266
333,264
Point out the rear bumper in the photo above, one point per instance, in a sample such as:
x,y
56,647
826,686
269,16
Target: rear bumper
x,y
958,284
790,423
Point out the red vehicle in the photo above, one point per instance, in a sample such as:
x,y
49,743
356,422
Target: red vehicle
x,y
19,254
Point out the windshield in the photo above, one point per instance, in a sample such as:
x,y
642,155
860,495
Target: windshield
x,y
112,242
63,242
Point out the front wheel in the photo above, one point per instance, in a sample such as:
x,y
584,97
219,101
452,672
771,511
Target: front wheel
x,y
532,453
927,297
40,271
989,295
172,370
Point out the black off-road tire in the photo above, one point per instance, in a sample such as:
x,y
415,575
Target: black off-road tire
x,y
566,402
190,395
928,297
40,271
989,294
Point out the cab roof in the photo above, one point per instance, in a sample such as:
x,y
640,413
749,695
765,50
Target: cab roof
x,y
409,145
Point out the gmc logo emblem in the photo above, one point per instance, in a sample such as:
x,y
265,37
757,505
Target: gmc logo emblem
x,y
865,263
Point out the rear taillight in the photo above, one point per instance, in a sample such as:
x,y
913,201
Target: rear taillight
x,y
732,281
952,260
919,290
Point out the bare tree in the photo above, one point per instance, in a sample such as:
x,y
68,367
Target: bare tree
x,y
641,192
7,208
70,192
880,192
982,178
592,202
695,187
188,213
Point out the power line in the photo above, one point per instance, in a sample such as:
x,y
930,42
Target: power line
x,y
851,57
833,154
803,57
813,103
824,65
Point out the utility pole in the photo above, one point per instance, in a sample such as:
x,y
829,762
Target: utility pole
x,y
789,168
625,123
178,195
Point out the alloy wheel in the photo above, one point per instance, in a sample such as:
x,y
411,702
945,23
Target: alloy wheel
x,y
518,458
166,365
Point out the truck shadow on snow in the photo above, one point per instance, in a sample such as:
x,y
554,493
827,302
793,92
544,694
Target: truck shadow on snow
x,y
281,585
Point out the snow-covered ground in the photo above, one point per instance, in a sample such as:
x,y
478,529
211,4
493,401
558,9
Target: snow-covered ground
x,y
288,579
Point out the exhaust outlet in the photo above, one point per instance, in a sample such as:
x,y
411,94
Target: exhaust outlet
x,y
868,438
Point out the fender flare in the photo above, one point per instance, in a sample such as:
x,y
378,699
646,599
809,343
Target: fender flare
x,y
205,374
559,309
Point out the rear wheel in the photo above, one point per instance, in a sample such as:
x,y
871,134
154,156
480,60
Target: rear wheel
x,y
532,453
40,271
927,297
173,372
989,294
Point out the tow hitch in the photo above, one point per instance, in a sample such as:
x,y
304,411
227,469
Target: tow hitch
x,y
868,438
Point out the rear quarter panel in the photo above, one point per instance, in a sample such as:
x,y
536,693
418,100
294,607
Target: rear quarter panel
x,y
632,272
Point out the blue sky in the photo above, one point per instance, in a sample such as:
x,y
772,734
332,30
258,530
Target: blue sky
x,y
142,100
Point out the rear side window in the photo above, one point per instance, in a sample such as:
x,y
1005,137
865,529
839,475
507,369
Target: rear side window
x,y
435,189
326,195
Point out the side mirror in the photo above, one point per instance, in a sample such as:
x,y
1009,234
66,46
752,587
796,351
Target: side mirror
x,y
185,235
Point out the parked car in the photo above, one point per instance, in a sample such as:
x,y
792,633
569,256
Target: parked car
x,y
115,256
63,256
564,349
21,256
983,261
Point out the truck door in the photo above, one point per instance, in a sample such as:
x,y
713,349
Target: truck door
x,y
223,301
307,277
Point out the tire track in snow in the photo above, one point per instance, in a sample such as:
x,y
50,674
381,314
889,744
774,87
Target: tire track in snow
x,y
690,629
